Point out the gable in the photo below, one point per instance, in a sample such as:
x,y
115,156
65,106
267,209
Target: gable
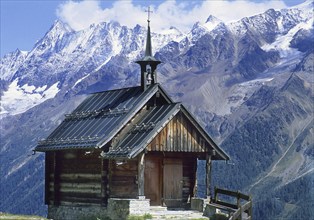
x,y
184,134
164,128
179,135
134,138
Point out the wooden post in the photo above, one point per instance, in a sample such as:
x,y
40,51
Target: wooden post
x,y
238,199
195,179
208,175
141,169
215,194
251,208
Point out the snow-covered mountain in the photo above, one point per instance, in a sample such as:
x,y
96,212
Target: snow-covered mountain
x,y
238,78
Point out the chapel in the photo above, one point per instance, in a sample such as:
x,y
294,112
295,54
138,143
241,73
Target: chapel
x,y
133,144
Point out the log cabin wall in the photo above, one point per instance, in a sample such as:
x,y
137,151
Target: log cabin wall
x,y
75,177
123,179
179,135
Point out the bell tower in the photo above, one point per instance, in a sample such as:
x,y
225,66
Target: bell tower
x,y
148,63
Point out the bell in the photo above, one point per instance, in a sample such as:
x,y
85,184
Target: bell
x,y
149,77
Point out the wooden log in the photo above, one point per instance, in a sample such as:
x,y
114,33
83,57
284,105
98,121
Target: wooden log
x,y
78,199
80,185
90,176
141,169
82,203
90,191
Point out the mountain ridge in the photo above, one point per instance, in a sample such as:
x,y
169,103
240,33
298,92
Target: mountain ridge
x,y
253,99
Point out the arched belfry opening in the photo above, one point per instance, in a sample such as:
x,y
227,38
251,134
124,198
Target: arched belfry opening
x,y
148,63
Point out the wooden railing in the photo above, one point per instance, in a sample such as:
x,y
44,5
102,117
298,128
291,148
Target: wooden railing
x,y
236,211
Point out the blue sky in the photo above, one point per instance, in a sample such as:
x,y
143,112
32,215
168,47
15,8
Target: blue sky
x,y
23,22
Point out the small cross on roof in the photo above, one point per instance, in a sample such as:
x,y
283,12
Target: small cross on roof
x,y
148,13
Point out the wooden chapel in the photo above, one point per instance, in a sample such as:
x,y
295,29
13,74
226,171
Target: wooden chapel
x,y
127,143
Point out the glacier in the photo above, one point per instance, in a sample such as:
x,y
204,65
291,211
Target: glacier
x,y
17,99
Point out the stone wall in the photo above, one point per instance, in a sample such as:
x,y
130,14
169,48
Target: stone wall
x,y
118,209
121,208
199,204
65,212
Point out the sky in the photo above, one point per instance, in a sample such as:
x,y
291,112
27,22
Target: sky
x,y
24,22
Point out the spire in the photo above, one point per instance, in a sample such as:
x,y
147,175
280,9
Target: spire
x,y
148,51
148,63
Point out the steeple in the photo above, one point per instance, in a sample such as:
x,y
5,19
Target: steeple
x,y
148,63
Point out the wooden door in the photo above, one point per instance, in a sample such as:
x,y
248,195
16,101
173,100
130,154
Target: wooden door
x,y
153,180
172,184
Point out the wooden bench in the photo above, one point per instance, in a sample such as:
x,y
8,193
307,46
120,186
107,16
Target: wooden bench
x,y
211,209
235,211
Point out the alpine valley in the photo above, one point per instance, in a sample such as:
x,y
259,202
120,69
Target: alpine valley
x,y
249,82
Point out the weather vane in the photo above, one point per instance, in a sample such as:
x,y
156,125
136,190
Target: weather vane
x,y
148,13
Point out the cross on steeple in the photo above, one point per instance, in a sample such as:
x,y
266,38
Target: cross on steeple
x,y
148,63
148,13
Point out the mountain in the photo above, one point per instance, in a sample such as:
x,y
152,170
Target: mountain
x,y
249,82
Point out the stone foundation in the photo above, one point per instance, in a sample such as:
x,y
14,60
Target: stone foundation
x,y
118,209
199,204
66,212
121,208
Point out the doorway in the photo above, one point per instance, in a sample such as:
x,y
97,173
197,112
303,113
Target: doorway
x,y
172,182
163,181
153,180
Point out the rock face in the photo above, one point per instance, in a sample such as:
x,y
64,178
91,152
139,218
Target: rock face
x,y
250,83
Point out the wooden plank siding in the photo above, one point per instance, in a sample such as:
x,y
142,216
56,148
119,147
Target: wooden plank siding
x,y
123,179
179,135
75,178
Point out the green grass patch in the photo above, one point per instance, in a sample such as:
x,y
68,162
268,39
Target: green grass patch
x,y
140,217
7,216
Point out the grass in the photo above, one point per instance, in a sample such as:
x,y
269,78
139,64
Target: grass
x,y
140,217
6,216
